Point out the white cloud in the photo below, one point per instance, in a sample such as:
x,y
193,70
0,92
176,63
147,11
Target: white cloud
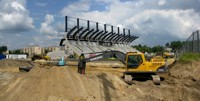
x,y
165,25
17,6
161,2
46,40
172,22
107,1
50,32
154,21
46,26
60,26
14,17
81,6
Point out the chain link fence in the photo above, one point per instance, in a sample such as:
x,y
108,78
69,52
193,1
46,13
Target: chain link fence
x,y
192,45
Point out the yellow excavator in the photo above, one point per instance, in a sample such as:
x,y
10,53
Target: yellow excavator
x,y
168,55
40,57
136,65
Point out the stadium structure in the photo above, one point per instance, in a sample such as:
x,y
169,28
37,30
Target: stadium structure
x,y
84,36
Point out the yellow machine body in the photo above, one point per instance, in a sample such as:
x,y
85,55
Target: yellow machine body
x,y
136,62
39,57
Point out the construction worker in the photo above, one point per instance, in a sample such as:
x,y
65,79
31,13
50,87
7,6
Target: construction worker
x,y
82,64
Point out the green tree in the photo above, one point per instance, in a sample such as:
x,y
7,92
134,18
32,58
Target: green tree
x,y
176,45
143,48
16,52
167,45
157,48
3,49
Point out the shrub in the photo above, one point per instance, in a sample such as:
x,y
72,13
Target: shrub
x,y
188,57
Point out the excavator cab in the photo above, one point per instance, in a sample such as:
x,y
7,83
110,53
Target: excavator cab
x,y
134,61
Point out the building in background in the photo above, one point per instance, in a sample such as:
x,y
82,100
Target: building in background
x,y
36,49
33,49
50,49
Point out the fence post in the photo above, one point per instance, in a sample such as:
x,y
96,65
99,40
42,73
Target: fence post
x,y
66,23
198,41
78,27
88,25
193,50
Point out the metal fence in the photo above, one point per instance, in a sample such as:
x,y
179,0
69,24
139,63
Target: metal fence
x,y
192,45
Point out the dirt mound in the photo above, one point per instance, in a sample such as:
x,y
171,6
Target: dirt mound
x,y
5,78
60,84
9,69
189,70
10,63
53,83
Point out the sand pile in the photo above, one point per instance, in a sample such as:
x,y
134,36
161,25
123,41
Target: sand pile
x,y
59,84
12,65
53,83
189,70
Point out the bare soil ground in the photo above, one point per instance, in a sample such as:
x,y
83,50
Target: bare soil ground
x,y
102,82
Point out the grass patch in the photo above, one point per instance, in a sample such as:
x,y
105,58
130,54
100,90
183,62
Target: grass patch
x,y
188,57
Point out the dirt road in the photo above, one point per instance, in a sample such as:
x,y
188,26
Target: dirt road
x,y
101,83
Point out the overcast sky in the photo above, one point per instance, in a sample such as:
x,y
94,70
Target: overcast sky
x,y
41,22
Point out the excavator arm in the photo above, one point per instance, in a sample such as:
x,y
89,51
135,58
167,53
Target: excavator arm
x,y
106,54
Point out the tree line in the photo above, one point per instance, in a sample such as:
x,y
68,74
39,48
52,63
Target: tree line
x,y
3,49
174,45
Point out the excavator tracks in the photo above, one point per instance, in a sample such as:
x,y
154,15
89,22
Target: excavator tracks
x,y
129,79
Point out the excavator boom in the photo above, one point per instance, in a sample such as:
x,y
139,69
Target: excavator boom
x,y
108,54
